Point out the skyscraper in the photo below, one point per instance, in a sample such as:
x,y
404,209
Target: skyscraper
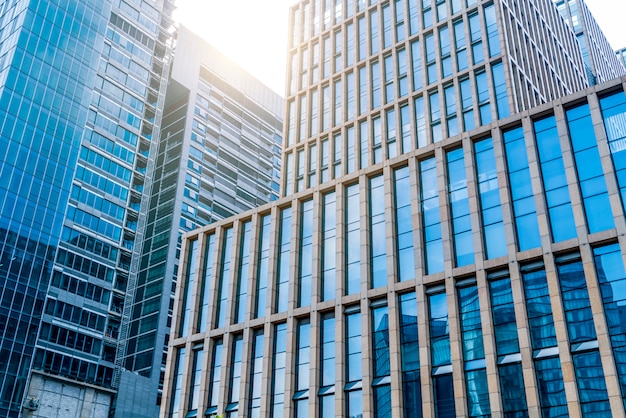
x,y
80,86
598,55
219,154
448,240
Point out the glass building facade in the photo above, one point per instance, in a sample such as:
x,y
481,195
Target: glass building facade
x,y
475,338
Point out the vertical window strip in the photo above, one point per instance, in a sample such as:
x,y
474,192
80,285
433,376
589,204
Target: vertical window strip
x,y
378,254
303,358
222,300
554,180
431,217
205,295
491,25
188,293
327,367
363,90
242,281
381,384
589,169
282,278
390,137
489,196
277,400
576,304
329,238
337,155
420,121
177,384
403,225
256,381
523,199
499,87
364,144
405,129
235,373
416,58
350,99
614,117
350,150
375,80
263,266
354,364
459,208
389,79
443,389
306,254
196,377
215,376
409,356
352,240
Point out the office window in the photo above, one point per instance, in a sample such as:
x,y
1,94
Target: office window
x,y
325,107
325,158
282,278
589,168
222,289
452,124
279,364
416,59
444,49
304,117
329,236
303,359
459,208
362,26
614,116
327,53
354,363
337,153
196,375
263,266
350,99
456,6
443,388
594,398
205,292
420,121
431,56
612,277
403,225
313,125
578,314
403,80
551,387
499,86
554,181
374,33
242,281
177,385
378,254
491,24
473,352
215,376
327,367
377,141
405,129
315,62
289,175
431,218
442,10
306,254
188,303
409,355
489,197
338,57
467,104
313,165
304,68
399,10
256,372
352,240
435,117
482,93
414,26
427,13
476,38
364,144
460,45
363,90
538,308
381,383
350,150
349,44
390,139
387,27
389,79
291,123
524,211
235,373
338,89
300,163
375,80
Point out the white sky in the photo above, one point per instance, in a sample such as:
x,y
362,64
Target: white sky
x,y
253,33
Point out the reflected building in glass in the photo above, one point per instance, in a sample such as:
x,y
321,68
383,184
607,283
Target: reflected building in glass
x,y
449,240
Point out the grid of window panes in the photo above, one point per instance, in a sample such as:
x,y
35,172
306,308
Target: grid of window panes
x,y
438,66
497,319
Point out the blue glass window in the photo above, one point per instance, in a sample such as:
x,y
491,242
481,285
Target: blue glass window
x,y
614,115
188,304
380,344
499,86
443,391
196,375
364,145
375,77
522,197
222,290
538,308
242,282
551,388
263,266
235,371
177,384
354,364
489,194
215,375
282,279
503,311
459,208
491,24
431,221
378,255
306,254
405,127
409,355
589,167
205,294
417,65
439,331
256,378
513,391
594,398
576,305
277,401
404,225
612,278
327,368
554,181
461,45
352,240
303,360
329,234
